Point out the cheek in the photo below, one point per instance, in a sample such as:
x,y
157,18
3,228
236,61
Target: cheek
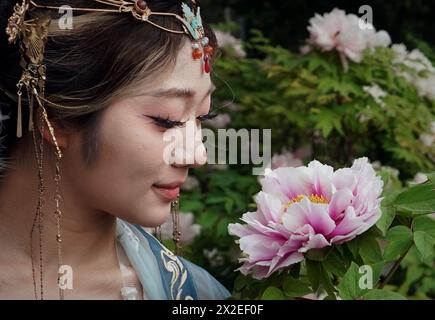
x,y
129,160
131,153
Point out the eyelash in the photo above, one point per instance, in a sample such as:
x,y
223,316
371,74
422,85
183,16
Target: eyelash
x,y
168,124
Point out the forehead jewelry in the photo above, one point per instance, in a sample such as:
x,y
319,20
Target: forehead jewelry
x,y
191,22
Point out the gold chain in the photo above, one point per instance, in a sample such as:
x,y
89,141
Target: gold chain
x,y
176,234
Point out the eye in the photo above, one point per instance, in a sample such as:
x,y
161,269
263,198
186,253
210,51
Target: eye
x,y
212,114
167,123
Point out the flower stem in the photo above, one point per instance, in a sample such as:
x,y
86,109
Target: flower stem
x,y
393,269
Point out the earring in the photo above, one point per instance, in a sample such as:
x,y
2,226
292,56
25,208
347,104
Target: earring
x,y
38,219
176,234
57,199
58,215
39,214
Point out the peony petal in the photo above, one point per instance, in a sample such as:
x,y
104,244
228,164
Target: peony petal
x,y
339,203
269,206
317,241
294,217
317,216
282,262
344,178
286,183
259,247
236,229
254,221
321,178
349,223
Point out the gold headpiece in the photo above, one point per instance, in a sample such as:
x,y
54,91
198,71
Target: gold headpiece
x,y
33,35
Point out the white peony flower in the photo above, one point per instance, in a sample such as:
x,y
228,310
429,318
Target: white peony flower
x,y
427,139
418,62
225,39
214,257
341,32
377,93
419,178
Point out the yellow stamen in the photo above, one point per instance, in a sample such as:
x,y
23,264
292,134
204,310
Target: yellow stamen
x,y
313,198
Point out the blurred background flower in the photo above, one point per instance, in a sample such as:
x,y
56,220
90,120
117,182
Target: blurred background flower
x,y
189,230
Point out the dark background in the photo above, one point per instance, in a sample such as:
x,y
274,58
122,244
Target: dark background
x,y
285,22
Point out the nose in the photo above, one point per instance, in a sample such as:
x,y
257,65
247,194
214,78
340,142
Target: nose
x,y
191,152
200,156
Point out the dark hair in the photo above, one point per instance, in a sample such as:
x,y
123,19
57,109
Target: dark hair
x,y
99,60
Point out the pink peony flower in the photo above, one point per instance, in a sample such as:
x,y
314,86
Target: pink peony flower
x,y
285,159
304,208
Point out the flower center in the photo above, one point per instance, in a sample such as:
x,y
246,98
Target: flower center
x,y
313,198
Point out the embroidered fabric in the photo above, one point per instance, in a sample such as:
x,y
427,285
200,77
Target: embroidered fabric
x,y
161,274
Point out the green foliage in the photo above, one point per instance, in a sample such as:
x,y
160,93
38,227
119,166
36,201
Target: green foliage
x,y
309,101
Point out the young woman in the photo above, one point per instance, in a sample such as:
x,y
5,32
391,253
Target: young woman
x,y
83,166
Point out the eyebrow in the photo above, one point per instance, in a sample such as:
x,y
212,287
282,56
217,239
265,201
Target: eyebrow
x,y
183,93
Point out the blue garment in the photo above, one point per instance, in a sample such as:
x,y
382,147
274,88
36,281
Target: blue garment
x,y
163,275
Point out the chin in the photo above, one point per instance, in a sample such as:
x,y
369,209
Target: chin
x,y
155,216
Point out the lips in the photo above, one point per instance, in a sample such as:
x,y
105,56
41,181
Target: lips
x,y
168,191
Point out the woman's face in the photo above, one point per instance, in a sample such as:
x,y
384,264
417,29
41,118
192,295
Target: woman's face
x,y
130,162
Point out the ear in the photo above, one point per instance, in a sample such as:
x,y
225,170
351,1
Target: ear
x,y
59,132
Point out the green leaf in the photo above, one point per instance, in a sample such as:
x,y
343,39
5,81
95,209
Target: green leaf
x,y
377,271
295,270
419,198
222,227
354,246
413,273
240,282
348,288
208,219
425,245
229,204
272,293
217,199
424,223
334,264
387,217
313,273
191,206
318,254
326,280
399,240
377,294
370,251
295,287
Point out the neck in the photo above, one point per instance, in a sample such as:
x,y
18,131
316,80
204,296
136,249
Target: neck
x,y
88,235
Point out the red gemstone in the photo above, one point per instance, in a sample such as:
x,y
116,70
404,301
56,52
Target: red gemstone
x,y
208,50
207,65
197,54
141,4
